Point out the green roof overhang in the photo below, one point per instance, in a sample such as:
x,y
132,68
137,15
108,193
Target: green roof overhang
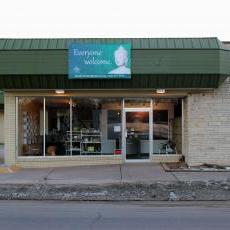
x,y
156,63
176,81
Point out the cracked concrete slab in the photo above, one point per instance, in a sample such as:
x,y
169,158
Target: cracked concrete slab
x,y
85,174
22,176
145,172
105,174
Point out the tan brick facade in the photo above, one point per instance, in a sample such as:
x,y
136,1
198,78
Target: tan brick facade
x,y
10,129
207,127
42,162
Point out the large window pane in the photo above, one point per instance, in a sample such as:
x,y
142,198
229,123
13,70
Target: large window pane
x,y
113,123
30,126
137,135
57,126
161,124
166,126
96,127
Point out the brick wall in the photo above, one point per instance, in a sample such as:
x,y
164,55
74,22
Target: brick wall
x,y
177,134
1,127
9,129
207,127
185,128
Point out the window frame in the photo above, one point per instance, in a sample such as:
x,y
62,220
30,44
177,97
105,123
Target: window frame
x,y
43,154
17,129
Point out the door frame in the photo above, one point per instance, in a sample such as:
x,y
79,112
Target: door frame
x,y
149,110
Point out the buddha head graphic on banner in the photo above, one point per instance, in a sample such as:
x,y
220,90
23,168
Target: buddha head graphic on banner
x,y
121,59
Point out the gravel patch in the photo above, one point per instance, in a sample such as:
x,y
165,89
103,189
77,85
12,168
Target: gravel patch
x,y
158,191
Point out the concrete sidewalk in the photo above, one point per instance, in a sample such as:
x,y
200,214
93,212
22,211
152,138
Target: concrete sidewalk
x,y
115,183
107,174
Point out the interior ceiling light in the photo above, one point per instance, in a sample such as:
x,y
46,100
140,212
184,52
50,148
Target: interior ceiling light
x,y
59,91
160,91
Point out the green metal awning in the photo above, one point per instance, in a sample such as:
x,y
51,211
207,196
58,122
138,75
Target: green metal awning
x,y
183,81
137,43
156,63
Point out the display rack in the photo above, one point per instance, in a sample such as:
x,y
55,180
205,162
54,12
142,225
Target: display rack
x,y
73,143
91,142
84,142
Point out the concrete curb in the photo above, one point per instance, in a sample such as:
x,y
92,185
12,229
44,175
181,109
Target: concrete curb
x,y
159,191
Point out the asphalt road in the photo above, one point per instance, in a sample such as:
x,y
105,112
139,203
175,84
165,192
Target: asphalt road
x,y
33,215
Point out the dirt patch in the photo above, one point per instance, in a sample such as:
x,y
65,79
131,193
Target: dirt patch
x,y
177,165
182,166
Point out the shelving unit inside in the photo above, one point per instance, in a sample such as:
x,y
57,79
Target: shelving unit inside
x,y
87,141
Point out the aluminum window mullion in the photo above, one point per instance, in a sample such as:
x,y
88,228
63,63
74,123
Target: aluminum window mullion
x,y
17,133
44,127
169,128
123,134
151,129
182,127
71,124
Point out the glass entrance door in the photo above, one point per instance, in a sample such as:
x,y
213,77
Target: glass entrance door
x,y
137,134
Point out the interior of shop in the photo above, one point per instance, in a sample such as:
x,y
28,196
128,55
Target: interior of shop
x,y
164,119
30,126
167,126
93,126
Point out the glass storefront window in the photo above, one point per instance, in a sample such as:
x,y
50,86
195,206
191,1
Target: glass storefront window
x,y
160,125
57,123
114,123
93,126
166,126
30,126
137,135
96,126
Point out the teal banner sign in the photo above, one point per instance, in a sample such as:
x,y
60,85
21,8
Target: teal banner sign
x,y
108,61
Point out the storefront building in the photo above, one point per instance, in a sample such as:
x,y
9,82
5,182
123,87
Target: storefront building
x,y
1,118
109,101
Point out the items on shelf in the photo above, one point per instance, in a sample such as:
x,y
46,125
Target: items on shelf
x,y
117,152
30,128
30,136
83,142
51,151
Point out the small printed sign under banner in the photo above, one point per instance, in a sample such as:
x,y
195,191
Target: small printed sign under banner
x,y
93,61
